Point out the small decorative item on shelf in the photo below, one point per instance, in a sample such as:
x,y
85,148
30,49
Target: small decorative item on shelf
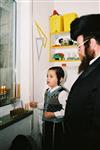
x,y
58,56
54,13
64,41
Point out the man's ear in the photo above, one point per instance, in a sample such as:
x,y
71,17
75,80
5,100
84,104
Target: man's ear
x,y
92,43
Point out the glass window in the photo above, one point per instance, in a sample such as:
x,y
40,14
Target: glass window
x,y
7,51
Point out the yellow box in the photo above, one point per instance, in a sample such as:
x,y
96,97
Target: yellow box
x,y
68,18
56,23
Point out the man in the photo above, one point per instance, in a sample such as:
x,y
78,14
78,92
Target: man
x,y
82,114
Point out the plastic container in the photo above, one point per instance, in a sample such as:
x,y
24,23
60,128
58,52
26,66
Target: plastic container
x,y
67,19
56,24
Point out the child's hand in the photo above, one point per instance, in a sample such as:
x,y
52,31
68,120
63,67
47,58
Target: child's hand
x,y
48,114
33,104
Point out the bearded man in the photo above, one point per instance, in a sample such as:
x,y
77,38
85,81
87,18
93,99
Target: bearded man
x,y
82,114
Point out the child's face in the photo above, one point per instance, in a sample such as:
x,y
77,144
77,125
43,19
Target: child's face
x,y
52,80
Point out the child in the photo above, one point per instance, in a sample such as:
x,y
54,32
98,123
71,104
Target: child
x,y
53,110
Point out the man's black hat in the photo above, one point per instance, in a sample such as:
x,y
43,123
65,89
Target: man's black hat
x,y
87,25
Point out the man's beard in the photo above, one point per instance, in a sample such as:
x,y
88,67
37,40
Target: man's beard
x,y
86,60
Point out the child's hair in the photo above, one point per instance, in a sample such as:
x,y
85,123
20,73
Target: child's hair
x,y
59,72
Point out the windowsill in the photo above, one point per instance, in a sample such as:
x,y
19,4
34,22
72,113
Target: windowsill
x,y
7,120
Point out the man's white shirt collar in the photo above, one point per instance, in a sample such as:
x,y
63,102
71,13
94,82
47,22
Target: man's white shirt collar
x,y
93,60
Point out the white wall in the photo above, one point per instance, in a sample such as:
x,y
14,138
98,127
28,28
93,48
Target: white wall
x,y
41,12
81,7
99,7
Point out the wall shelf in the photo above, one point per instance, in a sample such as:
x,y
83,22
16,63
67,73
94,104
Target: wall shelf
x,y
62,52
63,47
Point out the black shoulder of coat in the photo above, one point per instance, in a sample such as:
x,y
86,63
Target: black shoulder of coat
x,y
63,89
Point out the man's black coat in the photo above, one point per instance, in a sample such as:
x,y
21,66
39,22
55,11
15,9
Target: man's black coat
x,y
82,114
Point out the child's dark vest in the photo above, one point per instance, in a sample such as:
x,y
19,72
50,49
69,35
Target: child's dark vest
x,y
51,103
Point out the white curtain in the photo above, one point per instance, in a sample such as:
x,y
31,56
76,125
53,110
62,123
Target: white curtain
x,y
24,51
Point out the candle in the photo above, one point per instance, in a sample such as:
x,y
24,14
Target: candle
x,y
2,91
